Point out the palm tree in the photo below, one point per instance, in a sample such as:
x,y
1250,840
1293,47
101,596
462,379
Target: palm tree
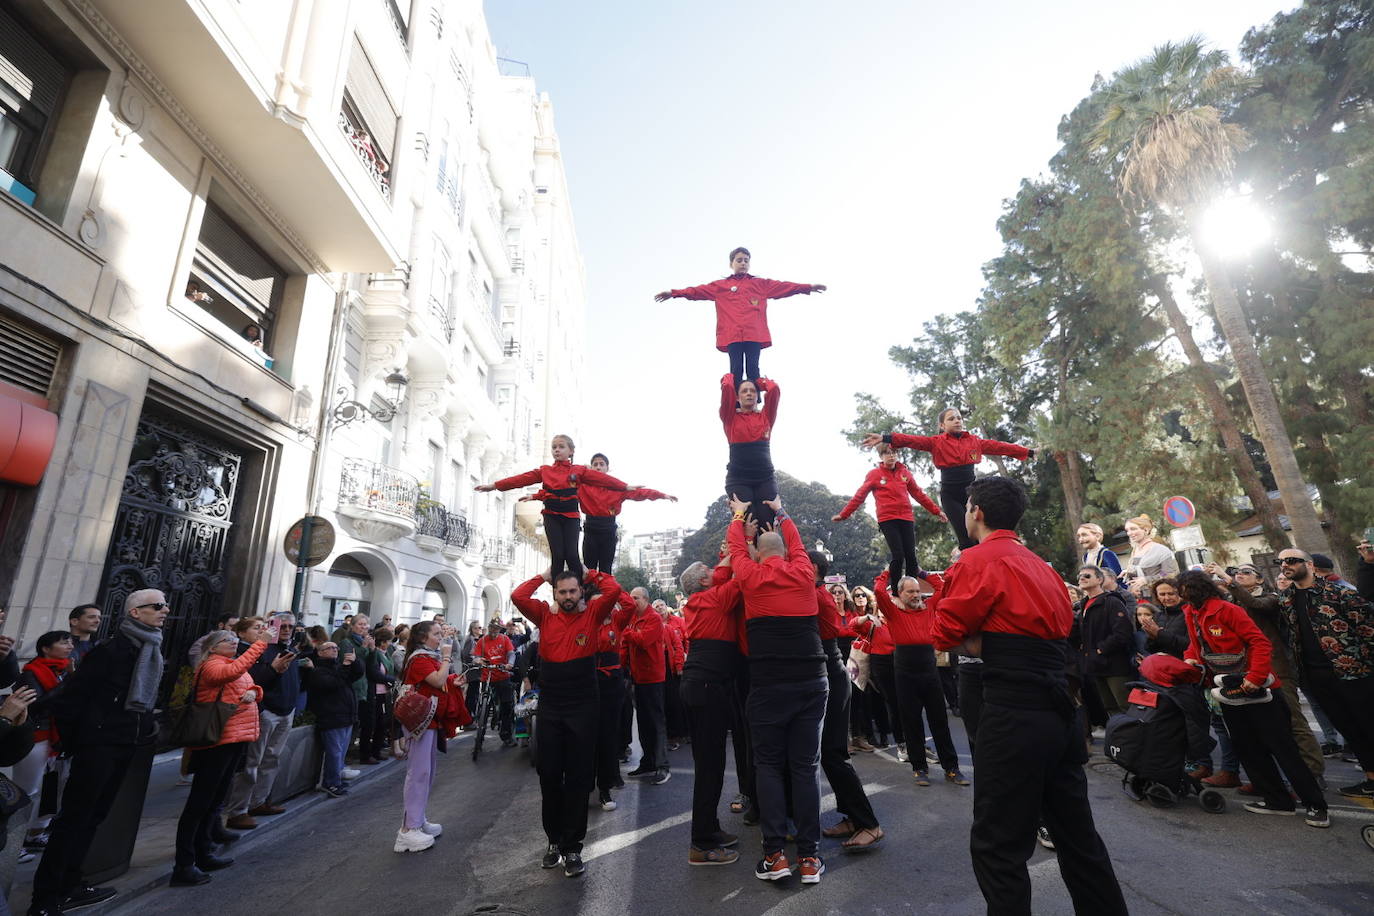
x,y
1165,130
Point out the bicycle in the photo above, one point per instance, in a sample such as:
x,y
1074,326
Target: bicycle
x,y
487,707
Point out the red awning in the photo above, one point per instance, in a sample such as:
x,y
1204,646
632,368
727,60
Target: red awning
x,y
27,435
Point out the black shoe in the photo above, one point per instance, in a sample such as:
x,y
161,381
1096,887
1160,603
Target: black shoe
x,y
224,837
751,816
43,909
1359,790
1331,750
552,857
85,896
572,864
641,770
619,783
659,777
188,877
213,863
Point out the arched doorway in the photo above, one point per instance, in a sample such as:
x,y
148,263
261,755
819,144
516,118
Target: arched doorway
x,y
492,603
434,600
347,590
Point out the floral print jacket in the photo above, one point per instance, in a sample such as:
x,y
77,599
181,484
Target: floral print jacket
x,y
1343,623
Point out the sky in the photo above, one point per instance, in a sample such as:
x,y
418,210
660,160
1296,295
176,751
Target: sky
x,y
868,146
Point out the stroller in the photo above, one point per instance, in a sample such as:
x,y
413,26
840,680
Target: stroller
x,y
1149,741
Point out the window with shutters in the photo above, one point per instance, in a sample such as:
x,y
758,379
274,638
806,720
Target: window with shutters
x,y
235,281
28,357
368,118
32,82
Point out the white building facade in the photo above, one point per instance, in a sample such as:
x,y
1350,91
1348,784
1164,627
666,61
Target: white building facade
x,y
656,552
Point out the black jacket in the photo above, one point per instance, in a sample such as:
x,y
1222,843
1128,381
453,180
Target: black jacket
x,y
329,693
15,743
1364,580
1108,634
280,691
89,710
9,668
1173,632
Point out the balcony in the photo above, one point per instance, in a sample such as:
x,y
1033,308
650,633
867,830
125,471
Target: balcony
x,y
373,163
431,524
377,503
442,317
498,555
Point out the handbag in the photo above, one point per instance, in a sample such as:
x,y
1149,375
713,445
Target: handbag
x,y
859,667
1220,662
201,724
413,710
13,799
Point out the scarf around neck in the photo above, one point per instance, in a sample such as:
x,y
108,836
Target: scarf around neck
x,y
48,671
148,668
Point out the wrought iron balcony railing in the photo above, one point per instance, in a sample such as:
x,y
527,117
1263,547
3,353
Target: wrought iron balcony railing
x,y
378,487
459,534
498,551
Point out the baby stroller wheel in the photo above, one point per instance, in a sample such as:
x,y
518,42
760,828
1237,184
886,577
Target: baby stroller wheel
x,y
1160,796
1367,832
1212,801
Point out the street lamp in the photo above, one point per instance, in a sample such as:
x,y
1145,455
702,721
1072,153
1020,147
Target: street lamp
x,y
349,410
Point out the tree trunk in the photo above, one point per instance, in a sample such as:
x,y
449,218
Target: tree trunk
x,y
1223,417
1264,405
1071,480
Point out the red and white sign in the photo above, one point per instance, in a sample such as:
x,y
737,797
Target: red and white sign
x,y
1179,511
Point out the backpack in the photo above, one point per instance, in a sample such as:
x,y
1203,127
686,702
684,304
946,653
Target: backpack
x,y
1149,739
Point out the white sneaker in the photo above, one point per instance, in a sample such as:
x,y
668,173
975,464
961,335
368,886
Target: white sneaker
x,y
412,841
432,828
350,773
901,753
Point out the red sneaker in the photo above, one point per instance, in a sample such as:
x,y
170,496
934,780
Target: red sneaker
x,y
811,869
773,867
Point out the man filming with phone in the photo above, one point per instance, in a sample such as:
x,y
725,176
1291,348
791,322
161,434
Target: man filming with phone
x,y
277,672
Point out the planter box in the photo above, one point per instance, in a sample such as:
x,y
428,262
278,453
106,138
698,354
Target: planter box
x,y
299,770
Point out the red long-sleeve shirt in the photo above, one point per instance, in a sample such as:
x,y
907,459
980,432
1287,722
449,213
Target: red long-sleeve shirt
x,y
645,640
1229,629
674,645
600,502
999,586
565,637
778,586
890,489
908,627
951,450
832,622
748,426
714,613
742,305
609,635
879,637
561,480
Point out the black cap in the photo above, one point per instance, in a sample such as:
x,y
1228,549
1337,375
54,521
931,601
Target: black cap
x,y
1322,561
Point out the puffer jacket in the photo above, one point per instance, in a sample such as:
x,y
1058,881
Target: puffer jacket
x,y
232,675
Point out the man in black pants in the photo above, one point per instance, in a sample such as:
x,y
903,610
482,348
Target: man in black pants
x,y
1323,621
104,713
1003,603
610,688
568,709
713,616
644,638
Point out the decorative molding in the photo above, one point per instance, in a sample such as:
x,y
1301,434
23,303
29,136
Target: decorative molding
x,y
136,66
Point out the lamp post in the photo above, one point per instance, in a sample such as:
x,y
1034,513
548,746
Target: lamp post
x,y
348,410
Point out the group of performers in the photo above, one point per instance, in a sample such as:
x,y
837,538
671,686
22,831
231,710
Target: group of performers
x,y
763,662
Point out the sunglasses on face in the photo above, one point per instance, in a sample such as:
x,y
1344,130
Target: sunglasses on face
x,y
1291,561
156,607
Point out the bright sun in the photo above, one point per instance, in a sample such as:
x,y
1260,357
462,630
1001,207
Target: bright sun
x,y
1234,227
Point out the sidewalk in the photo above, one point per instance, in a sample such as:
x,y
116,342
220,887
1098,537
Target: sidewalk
x,y
151,864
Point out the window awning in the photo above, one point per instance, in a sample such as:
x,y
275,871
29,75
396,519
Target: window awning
x,y
27,436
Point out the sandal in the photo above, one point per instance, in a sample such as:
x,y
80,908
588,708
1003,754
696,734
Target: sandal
x,y
841,830
740,803
873,836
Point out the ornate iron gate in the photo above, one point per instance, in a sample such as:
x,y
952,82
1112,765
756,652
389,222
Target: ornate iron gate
x,y
173,531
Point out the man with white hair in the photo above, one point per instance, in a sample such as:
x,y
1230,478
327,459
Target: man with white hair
x,y
104,712
277,672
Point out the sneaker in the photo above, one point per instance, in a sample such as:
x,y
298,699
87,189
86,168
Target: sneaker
x,y
640,770
1317,817
811,869
674,745
572,864
861,744
608,803
1222,779
552,857
1359,790
181,877
432,828
1233,680
412,841
901,753
1197,770
773,867
87,896
1042,834
957,778
1262,807
931,755
659,778
350,773
37,842
716,855
922,777
334,791
26,856
1238,696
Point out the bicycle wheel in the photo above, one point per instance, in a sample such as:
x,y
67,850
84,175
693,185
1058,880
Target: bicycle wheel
x,y
483,702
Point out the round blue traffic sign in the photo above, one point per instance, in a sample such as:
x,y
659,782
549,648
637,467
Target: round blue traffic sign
x,y
1179,511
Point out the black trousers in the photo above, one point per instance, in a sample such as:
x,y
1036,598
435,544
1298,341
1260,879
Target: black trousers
x,y
213,772
377,735
627,714
1030,768
785,723
598,542
567,765
562,533
1350,707
744,359
97,772
653,731
850,798
883,670
949,683
953,500
754,492
918,691
367,724
971,699
503,695
877,710
1262,734
900,534
710,710
740,739
610,700
674,713
860,719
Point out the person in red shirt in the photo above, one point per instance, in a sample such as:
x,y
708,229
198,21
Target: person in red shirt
x,y
611,690
560,481
749,474
495,648
787,687
742,311
568,705
956,453
890,483
601,506
1256,716
675,651
645,639
1002,602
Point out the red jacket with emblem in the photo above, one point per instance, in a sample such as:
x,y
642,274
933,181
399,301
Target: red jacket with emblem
x,y
951,450
748,426
1000,586
1228,629
645,639
600,502
890,488
742,305
560,480
565,637
909,627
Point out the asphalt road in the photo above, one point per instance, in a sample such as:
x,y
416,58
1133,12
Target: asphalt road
x,y
1176,861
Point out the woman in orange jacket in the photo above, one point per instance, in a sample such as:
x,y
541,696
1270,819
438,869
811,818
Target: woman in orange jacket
x,y
220,677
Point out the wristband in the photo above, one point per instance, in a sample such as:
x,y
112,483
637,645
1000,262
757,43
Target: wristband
x,y
887,438
782,515
739,516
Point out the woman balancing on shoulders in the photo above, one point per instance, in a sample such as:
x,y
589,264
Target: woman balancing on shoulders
x,y
749,430
956,453
562,520
742,311
890,482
